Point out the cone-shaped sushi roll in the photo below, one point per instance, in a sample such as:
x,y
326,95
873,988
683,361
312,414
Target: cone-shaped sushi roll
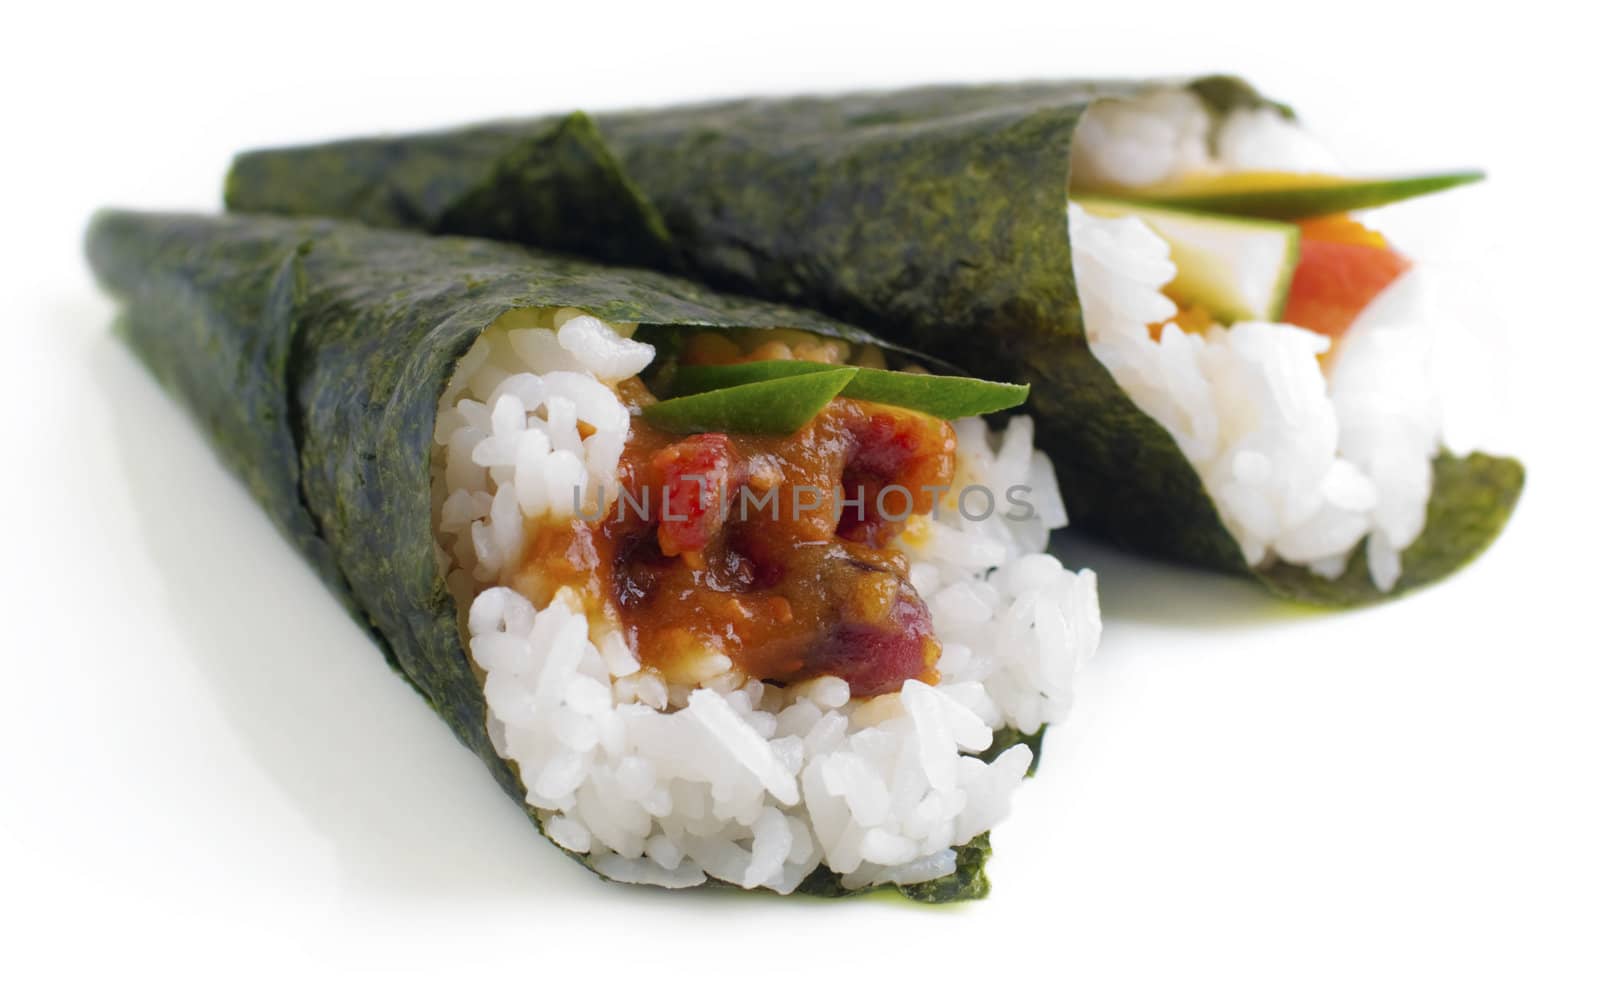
x,y
1290,352
1228,370
713,591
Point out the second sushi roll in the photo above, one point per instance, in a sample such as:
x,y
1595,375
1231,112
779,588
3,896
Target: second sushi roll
x,y
1229,369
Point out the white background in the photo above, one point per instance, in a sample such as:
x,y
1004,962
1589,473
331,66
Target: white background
x,y
208,777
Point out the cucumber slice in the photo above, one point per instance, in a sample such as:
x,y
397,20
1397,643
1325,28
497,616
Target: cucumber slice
x,y
1293,195
1238,269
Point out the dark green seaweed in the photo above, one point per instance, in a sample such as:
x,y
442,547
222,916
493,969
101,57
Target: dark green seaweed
x,y
933,215
313,354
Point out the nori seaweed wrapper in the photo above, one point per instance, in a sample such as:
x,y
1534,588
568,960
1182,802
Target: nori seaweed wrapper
x,y
935,216
313,354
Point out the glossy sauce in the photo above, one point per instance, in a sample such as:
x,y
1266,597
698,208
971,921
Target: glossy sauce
x,y
737,544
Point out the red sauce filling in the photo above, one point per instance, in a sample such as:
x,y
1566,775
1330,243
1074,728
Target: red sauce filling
x,y
774,551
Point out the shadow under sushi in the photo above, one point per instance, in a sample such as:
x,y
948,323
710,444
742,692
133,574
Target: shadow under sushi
x,y
1142,590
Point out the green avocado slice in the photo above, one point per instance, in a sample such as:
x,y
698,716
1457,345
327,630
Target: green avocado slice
x,y
937,395
780,406
1295,196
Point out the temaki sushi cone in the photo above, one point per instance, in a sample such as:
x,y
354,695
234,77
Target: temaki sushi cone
x,y
818,697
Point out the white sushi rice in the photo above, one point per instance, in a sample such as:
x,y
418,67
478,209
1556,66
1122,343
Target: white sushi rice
x,y
1303,466
743,781
1166,134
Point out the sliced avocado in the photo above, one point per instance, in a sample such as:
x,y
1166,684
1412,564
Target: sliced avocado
x,y
1237,269
1293,195
778,407
939,396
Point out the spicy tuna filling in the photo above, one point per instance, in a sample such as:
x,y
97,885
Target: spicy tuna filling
x,y
771,552
703,689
